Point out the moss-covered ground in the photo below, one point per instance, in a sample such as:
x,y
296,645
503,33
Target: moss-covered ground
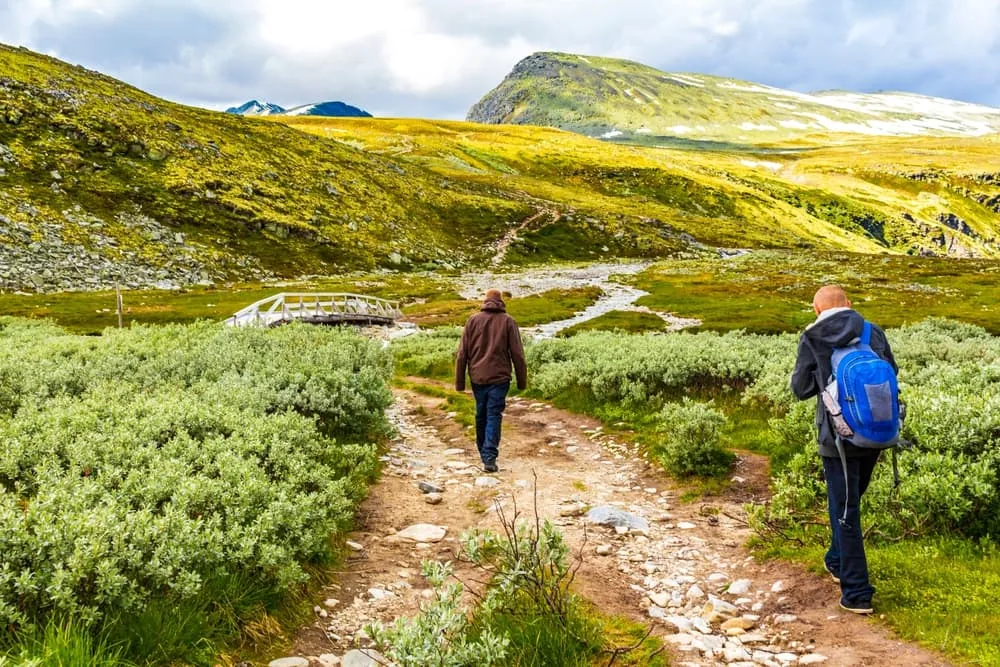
x,y
771,291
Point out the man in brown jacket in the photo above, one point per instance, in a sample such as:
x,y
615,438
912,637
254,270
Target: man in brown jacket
x,y
490,344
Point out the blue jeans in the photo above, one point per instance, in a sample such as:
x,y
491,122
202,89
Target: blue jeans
x,y
491,399
846,556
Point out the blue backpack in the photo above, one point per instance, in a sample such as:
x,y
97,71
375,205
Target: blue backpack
x,y
862,398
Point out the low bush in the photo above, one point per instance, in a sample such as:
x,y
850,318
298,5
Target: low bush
x,y
692,442
162,465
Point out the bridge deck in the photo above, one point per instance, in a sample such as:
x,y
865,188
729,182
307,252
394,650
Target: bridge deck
x,y
317,308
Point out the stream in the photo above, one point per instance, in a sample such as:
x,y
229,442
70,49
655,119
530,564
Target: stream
x,y
616,296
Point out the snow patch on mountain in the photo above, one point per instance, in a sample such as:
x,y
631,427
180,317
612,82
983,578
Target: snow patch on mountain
x,y
255,108
337,109
333,109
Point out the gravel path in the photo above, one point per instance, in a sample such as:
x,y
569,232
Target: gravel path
x,y
684,568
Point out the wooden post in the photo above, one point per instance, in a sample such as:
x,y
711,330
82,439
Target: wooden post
x,y
118,303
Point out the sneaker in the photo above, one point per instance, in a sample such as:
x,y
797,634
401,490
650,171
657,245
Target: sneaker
x,y
863,608
490,467
833,574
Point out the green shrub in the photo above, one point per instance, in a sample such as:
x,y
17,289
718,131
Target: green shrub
x,y
636,369
430,354
691,442
440,636
154,465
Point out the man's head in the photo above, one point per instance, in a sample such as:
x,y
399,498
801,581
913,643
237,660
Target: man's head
x,y
830,296
494,295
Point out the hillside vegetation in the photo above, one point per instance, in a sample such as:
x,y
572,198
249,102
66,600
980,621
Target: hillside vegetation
x,y
927,196
627,101
102,184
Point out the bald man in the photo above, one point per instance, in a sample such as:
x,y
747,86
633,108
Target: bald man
x,y
837,326
490,345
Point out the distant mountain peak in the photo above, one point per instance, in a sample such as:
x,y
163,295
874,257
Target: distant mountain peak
x,y
255,108
337,109
330,109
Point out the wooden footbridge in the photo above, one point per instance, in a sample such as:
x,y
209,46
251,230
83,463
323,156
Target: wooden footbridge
x,y
317,308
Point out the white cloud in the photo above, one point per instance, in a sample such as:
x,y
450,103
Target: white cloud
x,y
437,57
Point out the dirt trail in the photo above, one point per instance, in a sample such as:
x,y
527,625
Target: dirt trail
x,y
503,245
690,554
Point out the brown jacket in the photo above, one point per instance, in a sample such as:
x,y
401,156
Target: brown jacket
x,y
490,343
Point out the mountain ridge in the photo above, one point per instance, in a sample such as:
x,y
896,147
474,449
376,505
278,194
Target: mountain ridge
x,y
627,101
332,109
255,108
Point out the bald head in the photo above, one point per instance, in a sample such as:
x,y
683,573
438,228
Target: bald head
x,y
830,296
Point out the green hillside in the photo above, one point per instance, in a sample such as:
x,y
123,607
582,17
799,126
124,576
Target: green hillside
x,y
102,184
919,196
627,101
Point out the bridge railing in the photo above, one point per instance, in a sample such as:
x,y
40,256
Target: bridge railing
x,y
317,307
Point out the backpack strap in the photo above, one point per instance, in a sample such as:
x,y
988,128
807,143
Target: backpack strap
x,y
866,334
847,483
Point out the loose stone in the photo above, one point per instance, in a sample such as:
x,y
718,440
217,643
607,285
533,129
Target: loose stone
x,y
739,587
605,515
289,662
695,592
423,532
363,658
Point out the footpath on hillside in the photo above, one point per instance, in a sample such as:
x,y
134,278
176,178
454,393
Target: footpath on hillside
x,y
683,569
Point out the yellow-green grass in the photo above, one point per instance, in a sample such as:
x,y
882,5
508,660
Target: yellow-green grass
x,y
626,321
429,301
628,101
771,292
360,193
850,196
532,310
92,312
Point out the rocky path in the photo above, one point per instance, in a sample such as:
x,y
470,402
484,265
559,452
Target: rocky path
x,y
681,568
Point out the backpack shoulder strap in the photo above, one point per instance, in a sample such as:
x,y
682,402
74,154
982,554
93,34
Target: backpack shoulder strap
x,y
866,334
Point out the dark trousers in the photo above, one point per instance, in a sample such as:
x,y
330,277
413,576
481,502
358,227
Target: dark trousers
x,y
846,556
491,399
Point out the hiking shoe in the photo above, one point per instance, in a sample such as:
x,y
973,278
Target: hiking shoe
x,y
490,467
862,608
833,574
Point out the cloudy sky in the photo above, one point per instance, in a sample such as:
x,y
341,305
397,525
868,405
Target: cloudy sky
x,y
435,58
